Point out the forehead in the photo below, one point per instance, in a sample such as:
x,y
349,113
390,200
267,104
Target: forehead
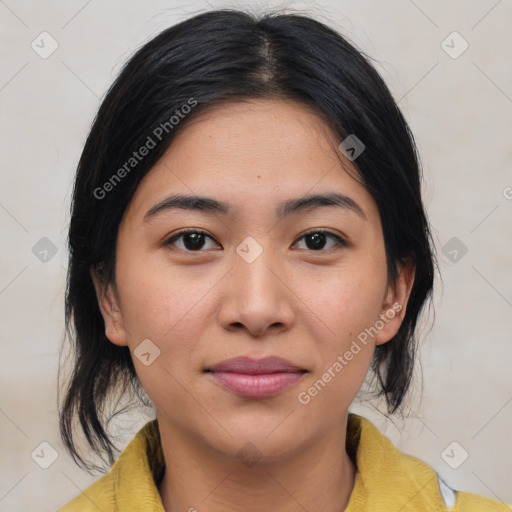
x,y
268,132
250,152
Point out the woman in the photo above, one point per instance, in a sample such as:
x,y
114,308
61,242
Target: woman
x,y
247,240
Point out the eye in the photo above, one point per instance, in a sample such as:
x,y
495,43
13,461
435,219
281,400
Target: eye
x,y
192,240
317,239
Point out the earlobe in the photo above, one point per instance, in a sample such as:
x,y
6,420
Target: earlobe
x,y
109,308
395,304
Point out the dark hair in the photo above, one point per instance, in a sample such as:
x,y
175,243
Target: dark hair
x,y
213,57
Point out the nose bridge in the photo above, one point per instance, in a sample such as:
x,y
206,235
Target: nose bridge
x,y
253,277
255,297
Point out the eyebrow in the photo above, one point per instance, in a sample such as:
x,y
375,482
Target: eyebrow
x,y
284,209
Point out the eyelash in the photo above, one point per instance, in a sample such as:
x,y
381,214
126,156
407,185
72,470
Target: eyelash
x,y
339,240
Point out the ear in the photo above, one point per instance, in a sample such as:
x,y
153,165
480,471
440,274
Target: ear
x,y
109,307
395,303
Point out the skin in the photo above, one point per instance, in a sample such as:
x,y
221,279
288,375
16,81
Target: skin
x,y
200,307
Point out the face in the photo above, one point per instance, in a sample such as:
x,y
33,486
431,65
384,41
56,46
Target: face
x,y
259,272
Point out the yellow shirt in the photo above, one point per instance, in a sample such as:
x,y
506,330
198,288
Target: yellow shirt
x,y
387,480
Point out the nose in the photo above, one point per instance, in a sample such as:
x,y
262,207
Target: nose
x,y
256,297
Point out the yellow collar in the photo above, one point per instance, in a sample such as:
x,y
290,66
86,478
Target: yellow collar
x,y
386,479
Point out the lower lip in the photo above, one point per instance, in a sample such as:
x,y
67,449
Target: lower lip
x,y
267,384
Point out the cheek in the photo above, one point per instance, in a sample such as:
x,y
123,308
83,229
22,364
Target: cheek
x,y
158,299
169,309
344,301
172,307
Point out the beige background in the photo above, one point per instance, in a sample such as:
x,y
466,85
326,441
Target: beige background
x,y
459,110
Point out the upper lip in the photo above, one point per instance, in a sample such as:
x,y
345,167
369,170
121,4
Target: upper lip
x,y
255,366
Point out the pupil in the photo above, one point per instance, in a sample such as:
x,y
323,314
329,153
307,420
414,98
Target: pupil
x,y
317,239
193,241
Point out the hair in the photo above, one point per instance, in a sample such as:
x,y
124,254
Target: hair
x,y
215,57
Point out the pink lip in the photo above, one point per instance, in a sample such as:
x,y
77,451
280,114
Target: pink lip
x,y
256,378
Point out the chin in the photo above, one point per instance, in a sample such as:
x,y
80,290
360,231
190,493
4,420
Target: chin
x,y
263,444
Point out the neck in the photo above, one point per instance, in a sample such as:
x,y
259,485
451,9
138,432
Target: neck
x,y
198,478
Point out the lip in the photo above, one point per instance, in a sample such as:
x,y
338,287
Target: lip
x,y
256,378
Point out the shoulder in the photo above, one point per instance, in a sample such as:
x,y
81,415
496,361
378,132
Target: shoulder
x,y
99,494
469,502
130,484
429,489
462,501
389,478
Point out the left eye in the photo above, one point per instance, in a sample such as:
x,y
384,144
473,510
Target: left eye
x,y
316,240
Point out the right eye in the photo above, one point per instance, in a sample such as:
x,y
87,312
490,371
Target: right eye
x,y
191,240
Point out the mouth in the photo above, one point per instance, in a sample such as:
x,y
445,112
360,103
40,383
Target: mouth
x,y
256,378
